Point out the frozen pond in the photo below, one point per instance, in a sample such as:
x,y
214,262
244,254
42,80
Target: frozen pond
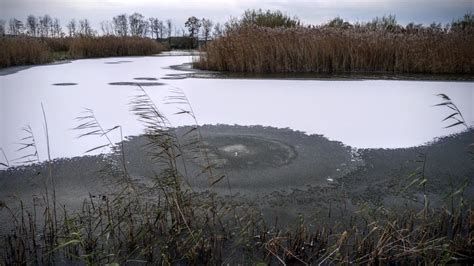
x,y
359,113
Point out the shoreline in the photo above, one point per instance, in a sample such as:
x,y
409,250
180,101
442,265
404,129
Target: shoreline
x,y
350,76
209,74
15,69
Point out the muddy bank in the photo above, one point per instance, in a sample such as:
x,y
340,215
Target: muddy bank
x,y
280,171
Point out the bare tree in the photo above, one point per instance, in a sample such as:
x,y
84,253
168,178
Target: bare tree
x,y
32,25
157,28
85,28
72,28
120,23
107,28
2,27
206,29
153,28
45,25
146,29
15,26
138,24
218,31
56,29
161,29
169,27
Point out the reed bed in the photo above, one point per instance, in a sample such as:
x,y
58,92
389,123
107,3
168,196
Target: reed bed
x,y
160,229
323,49
113,46
22,50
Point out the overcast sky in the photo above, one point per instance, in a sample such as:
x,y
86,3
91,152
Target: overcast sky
x,y
309,11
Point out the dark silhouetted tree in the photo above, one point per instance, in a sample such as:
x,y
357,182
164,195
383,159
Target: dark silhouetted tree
x,y
193,24
464,23
107,28
2,27
120,23
169,27
157,28
56,29
32,25
339,23
15,26
218,30
271,19
45,25
72,28
85,28
206,29
385,23
138,25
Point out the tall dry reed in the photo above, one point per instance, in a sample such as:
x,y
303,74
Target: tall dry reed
x,y
113,46
22,50
336,50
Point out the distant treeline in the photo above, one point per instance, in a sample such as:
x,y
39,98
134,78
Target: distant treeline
x,y
272,42
42,39
123,25
24,50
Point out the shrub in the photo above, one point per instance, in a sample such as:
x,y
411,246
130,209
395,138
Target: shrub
x,y
271,19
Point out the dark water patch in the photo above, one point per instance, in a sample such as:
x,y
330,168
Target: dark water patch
x,y
145,78
180,53
335,76
184,67
143,84
65,84
207,74
118,62
175,76
285,171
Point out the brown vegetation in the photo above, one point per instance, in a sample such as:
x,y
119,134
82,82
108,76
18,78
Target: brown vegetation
x,y
113,46
329,50
177,228
23,50
270,42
